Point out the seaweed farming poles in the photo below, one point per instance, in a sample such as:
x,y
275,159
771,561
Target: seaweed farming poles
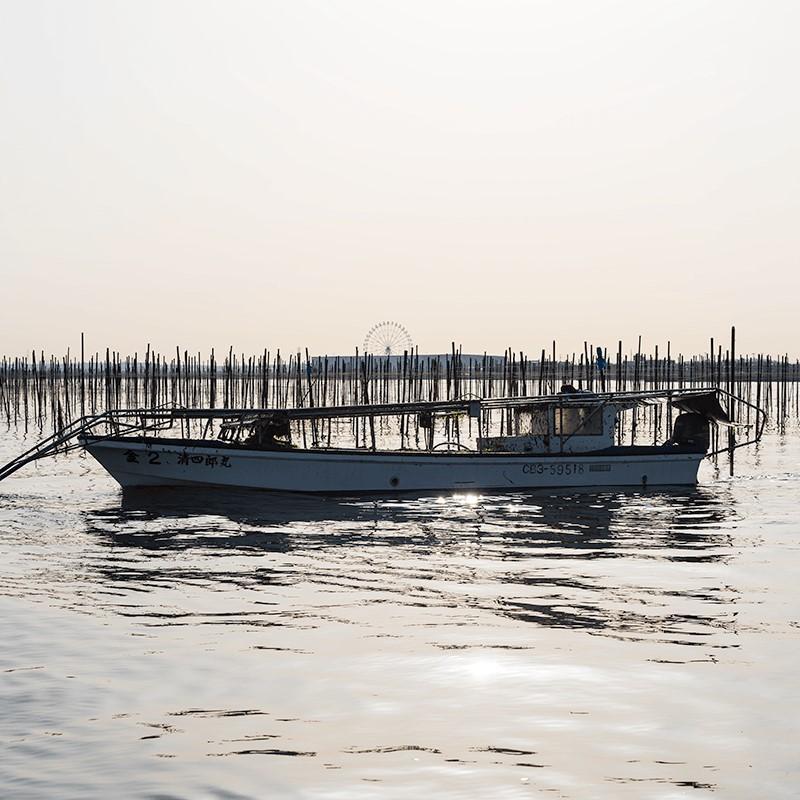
x,y
39,390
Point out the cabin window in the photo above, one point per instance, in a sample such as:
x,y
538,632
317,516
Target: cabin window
x,y
531,422
578,421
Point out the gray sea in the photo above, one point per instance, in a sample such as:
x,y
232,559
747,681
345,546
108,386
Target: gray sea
x,y
181,644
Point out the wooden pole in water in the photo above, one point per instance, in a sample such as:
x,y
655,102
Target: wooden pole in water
x,y
83,388
732,410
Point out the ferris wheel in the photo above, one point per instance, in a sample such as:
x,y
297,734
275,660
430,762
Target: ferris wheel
x,y
387,339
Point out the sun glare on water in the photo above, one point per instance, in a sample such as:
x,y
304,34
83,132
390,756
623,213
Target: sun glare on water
x,y
483,669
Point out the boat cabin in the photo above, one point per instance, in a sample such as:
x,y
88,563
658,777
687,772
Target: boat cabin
x,y
542,429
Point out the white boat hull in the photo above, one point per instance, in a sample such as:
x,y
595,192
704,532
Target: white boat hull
x,y
138,463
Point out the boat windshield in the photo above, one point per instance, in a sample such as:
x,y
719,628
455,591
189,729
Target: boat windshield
x,y
578,420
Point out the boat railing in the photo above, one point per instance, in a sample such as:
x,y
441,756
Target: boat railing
x,y
68,438
760,424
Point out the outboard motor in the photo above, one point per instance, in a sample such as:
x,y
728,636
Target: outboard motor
x,y
691,431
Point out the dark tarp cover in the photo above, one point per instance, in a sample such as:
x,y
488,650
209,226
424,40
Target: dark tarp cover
x,y
706,404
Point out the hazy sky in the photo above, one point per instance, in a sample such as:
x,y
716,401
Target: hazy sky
x,y
268,174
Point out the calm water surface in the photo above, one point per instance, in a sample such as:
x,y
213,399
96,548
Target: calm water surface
x,y
176,644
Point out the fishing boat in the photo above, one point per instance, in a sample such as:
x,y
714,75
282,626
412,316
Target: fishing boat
x,y
570,439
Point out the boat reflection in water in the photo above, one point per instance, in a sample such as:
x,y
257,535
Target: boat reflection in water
x,y
583,560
